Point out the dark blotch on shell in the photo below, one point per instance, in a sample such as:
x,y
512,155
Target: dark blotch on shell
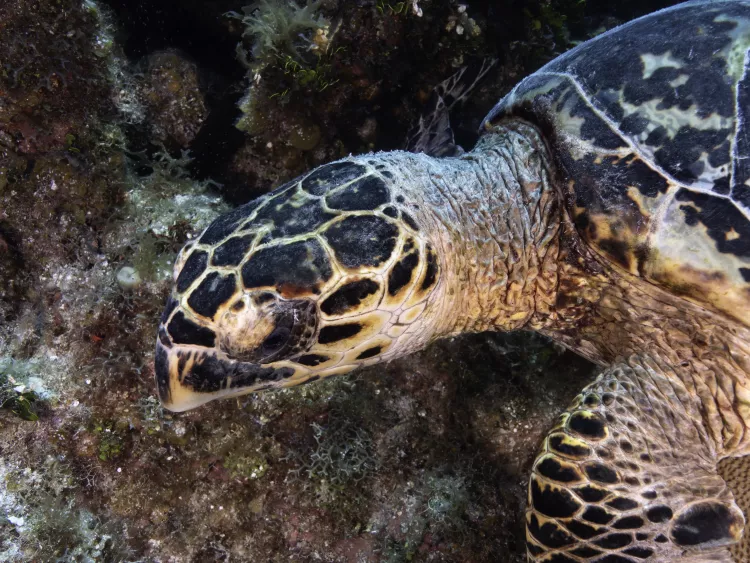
x,y
719,216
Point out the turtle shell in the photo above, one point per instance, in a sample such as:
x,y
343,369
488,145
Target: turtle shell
x,y
650,130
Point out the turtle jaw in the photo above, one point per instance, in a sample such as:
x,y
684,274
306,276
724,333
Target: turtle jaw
x,y
188,376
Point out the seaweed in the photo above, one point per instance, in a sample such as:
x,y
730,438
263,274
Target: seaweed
x,y
281,28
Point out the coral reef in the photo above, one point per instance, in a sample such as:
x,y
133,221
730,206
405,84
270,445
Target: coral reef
x,y
118,144
171,94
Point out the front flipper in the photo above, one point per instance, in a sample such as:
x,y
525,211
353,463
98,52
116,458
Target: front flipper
x,y
629,474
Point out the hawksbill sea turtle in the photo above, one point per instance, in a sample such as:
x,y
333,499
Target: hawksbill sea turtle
x,y
606,205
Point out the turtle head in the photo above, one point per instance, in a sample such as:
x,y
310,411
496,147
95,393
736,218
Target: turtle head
x,y
327,273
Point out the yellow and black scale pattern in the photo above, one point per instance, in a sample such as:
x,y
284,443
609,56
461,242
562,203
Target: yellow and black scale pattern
x,y
648,125
623,477
275,259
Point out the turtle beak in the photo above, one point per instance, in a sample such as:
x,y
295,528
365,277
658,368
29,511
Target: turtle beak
x,y
189,376
161,370
175,396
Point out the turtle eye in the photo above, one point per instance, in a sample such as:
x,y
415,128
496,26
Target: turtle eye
x,y
263,297
275,341
262,328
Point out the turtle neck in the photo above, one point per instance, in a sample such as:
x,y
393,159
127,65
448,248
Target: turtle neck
x,y
493,216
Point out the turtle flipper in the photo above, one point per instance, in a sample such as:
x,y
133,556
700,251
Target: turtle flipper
x,y
629,474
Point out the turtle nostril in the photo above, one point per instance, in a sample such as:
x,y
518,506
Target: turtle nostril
x,y
238,306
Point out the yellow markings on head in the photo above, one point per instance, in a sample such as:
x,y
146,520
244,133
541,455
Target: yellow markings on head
x,y
181,368
339,370
427,280
183,397
317,359
411,314
242,328
396,330
403,274
372,348
343,336
354,295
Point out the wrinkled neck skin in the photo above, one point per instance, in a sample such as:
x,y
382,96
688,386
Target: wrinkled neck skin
x,y
493,217
511,259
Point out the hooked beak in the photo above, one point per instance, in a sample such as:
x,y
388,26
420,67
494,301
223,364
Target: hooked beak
x,y
188,377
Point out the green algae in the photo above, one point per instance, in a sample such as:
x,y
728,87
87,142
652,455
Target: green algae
x,y
281,28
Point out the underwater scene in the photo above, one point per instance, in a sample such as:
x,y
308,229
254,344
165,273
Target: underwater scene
x,y
146,271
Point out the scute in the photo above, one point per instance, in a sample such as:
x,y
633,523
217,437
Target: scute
x,y
651,138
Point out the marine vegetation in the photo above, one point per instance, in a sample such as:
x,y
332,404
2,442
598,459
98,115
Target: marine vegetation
x,y
279,28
